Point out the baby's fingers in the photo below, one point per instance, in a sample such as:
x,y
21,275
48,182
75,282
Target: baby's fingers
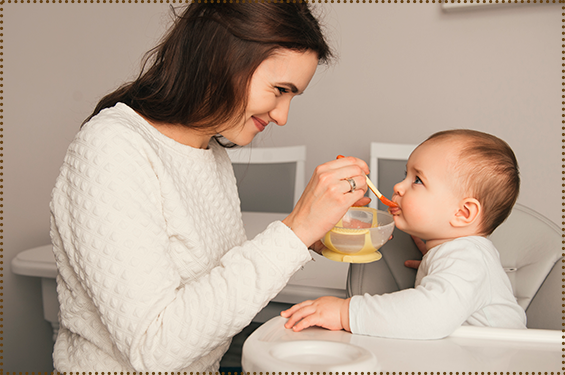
x,y
297,312
296,319
312,316
293,309
412,264
308,321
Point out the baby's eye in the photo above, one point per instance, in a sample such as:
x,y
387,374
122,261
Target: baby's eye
x,y
417,180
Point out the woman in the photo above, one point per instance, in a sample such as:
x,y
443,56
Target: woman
x,y
155,272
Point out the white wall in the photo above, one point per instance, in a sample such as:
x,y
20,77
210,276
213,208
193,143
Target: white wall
x,y
59,60
404,72
408,70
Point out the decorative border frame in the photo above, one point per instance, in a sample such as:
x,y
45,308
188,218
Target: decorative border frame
x,y
447,5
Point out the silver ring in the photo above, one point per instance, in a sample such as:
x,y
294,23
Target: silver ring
x,y
352,184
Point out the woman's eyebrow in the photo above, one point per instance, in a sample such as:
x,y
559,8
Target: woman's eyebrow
x,y
292,87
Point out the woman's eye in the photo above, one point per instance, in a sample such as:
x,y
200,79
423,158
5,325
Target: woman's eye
x,y
282,90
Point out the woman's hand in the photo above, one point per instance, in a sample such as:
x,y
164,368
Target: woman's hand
x,y
421,245
317,247
327,197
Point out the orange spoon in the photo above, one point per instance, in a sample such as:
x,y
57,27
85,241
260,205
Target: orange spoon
x,y
374,189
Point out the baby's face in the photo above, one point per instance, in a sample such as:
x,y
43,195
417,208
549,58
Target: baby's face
x,y
429,196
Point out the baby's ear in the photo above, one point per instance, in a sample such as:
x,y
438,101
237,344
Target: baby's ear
x,y
468,213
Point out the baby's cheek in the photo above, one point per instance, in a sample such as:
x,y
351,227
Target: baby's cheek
x,y
414,213
399,222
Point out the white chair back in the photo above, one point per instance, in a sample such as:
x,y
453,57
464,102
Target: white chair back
x,y
270,179
385,160
530,251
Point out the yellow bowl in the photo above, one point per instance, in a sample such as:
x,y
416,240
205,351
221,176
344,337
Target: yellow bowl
x,y
358,236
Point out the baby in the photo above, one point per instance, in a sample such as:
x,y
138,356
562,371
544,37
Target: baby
x,y
459,186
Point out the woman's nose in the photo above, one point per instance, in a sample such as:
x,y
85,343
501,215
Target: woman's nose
x,y
279,114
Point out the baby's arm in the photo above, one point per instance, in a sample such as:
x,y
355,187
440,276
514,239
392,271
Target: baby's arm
x,y
326,312
455,284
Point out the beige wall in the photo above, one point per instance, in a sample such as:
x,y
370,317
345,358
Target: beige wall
x,y
404,72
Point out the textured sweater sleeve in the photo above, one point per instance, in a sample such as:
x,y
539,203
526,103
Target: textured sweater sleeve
x,y
114,252
456,285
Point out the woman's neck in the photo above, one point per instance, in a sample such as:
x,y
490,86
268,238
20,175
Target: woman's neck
x,y
182,134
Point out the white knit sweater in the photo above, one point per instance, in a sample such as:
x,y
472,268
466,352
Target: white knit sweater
x,y
155,272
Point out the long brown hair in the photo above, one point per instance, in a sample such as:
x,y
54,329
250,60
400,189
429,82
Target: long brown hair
x,y
199,75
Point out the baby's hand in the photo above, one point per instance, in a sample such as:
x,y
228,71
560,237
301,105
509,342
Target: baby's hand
x,y
326,312
421,245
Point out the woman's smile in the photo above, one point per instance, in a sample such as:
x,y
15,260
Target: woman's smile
x,y
260,124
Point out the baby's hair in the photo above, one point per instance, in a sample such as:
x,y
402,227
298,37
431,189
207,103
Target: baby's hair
x,y
488,171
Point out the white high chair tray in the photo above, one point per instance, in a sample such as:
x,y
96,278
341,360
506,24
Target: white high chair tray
x,y
272,348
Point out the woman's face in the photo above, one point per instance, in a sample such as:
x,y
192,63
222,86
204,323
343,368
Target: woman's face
x,y
276,81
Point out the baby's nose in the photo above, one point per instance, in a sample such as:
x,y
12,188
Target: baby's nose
x,y
397,189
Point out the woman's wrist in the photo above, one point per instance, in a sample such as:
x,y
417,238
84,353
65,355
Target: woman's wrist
x,y
288,221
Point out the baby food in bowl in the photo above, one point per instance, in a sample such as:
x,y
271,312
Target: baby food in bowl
x,y
358,236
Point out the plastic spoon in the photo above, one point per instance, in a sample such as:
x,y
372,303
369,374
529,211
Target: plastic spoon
x,y
374,189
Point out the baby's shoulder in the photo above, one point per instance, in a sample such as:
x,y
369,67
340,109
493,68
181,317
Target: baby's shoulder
x,y
468,249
